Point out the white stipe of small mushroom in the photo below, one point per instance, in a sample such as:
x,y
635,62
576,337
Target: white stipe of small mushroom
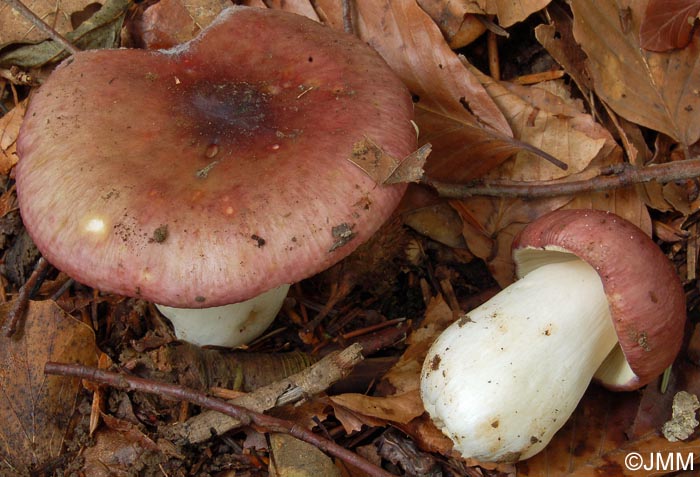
x,y
504,378
229,325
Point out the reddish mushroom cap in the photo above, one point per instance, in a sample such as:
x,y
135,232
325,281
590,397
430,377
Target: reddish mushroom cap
x,y
206,174
646,298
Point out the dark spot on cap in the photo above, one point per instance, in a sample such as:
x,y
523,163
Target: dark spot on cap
x,y
653,297
160,234
260,241
343,234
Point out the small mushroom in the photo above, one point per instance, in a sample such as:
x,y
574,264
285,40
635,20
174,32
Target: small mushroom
x,y
596,297
213,172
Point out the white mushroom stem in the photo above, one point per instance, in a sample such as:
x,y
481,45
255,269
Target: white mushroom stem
x,y
229,325
505,377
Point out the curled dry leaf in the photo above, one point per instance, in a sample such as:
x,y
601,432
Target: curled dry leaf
x,y
490,225
550,122
385,169
36,409
400,408
456,21
9,129
468,132
668,24
440,222
659,90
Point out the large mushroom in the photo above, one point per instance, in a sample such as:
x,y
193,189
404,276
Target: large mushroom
x,y
213,172
596,297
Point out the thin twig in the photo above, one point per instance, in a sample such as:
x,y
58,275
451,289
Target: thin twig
x,y
14,317
41,25
172,391
623,176
307,382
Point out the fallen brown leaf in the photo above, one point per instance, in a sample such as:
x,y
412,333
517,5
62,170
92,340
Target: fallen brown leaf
x,y
382,168
456,21
454,113
101,30
509,12
14,28
290,457
404,376
594,442
9,130
659,91
551,121
400,408
36,409
668,24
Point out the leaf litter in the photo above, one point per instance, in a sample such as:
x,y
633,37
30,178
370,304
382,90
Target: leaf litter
x,y
629,94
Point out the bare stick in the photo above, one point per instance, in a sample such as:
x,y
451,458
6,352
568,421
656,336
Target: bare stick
x,y
172,391
622,176
19,307
41,25
309,381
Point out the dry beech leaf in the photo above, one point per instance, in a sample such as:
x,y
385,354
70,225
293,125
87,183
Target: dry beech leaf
x,y
454,113
668,24
14,28
382,168
9,130
550,123
401,408
510,12
455,20
440,222
490,225
558,39
114,454
352,421
595,441
659,90
36,408
291,457
300,7
551,120
101,30
507,11
404,376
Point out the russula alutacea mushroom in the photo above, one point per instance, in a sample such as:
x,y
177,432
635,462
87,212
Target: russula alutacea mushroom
x,y
595,296
215,171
